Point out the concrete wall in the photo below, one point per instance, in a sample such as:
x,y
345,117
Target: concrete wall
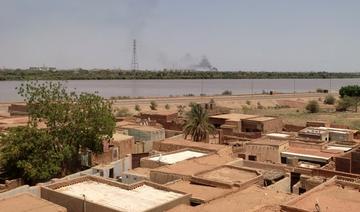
x,y
72,204
125,146
292,128
337,136
274,125
143,135
130,178
163,177
172,133
160,118
138,147
266,153
306,144
118,167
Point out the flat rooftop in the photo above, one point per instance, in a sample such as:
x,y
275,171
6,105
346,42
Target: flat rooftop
x,y
315,154
229,174
177,156
261,119
330,196
268,142
181,143
234,116
253,198
26,202
139,171
120,137
201,193
196,165
141,127
141,198
337,129
280,135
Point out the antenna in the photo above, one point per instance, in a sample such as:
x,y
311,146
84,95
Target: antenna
x,y
134,63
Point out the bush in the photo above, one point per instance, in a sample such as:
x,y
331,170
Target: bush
x,y
137,108
245,109
344,104
248,102
313,106
167,106
122,112
259,106
153,105
181,109
329,100
226,93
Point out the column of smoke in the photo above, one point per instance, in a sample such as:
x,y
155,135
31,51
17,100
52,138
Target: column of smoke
x,y
204,65
187,62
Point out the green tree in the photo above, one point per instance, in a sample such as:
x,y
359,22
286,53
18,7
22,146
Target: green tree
x,y
137,108
312,106
153,105
197,123
352,91
30,153
74,123
345,103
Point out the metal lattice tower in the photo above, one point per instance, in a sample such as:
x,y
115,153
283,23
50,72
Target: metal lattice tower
x,y
134,63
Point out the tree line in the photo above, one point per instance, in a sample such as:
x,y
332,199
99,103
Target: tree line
x,y
107,74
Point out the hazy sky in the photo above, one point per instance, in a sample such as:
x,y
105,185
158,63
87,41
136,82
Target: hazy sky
x,y
261,35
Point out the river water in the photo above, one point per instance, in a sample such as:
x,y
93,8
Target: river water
x,y
108,88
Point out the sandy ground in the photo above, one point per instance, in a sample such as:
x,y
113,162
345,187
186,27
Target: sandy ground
x,y
234,102
248,104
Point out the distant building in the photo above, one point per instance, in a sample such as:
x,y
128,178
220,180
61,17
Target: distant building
x,y
42,68
17,109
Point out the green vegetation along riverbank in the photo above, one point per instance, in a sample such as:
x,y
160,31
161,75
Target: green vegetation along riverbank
x,y
82,74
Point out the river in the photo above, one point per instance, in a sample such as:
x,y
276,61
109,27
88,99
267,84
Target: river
x,y
108,88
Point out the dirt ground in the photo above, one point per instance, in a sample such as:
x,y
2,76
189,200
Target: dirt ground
x,y
290,107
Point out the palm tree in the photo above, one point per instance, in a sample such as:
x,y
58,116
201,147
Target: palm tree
x,y
197,123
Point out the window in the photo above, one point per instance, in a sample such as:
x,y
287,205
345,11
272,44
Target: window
x,y
252,157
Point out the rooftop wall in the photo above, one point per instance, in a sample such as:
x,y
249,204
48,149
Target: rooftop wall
x,y
74,204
